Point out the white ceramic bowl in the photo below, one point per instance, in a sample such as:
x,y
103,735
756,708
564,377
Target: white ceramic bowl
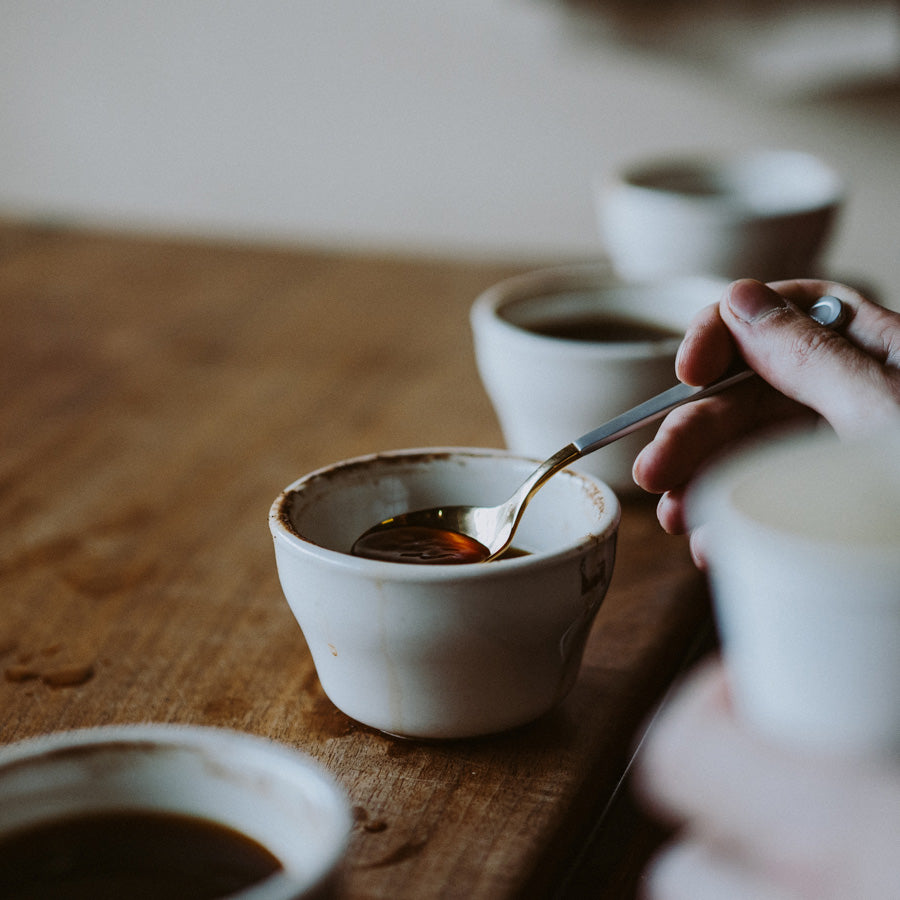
x,y
764,214
444,651
802,536
547,391
268,792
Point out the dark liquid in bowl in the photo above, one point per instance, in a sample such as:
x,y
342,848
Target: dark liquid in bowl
x,y
425,546
134,855
603,329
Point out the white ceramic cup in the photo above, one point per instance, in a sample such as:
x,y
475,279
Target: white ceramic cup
x,y
274,795
803,542
764,214
547,391
444,651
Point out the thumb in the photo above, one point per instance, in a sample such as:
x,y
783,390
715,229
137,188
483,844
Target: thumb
x,y
804,360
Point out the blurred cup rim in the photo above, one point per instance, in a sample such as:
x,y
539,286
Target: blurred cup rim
x,y
487,314
761,184
808,463
224,751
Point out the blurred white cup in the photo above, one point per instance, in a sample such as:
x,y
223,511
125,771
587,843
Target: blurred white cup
x,y
802,537
765,214
267,792
548,390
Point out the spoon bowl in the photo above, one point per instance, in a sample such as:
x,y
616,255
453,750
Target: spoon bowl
x,y
464,534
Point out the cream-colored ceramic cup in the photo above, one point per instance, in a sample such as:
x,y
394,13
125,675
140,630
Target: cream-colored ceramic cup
x,y
803,544
444,651
763,214
274,795
547,391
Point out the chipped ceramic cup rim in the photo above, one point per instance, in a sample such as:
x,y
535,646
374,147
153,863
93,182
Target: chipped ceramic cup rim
x,y
488,310
220,750
281,527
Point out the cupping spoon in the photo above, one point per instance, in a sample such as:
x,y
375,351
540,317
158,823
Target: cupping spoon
x,y
456,534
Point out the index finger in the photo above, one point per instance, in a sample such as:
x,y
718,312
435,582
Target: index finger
x,y
707,349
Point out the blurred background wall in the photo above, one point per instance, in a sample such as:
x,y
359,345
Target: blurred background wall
x,y
468,127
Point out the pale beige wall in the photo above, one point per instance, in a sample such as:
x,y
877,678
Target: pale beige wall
x,y
471,126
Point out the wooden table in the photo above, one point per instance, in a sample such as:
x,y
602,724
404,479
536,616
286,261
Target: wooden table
x,y
156,396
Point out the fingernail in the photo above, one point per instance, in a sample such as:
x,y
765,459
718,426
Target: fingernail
x,y
751,300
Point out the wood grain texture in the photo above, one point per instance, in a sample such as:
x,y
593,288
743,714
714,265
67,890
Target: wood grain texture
x,y
156,396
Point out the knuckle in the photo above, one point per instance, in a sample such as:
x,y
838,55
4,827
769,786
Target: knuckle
x,y
807,347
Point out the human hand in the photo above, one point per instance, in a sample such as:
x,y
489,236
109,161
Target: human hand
x,y
851,379
761,822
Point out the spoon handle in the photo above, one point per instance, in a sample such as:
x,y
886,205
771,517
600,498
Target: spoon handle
x,y
828,311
